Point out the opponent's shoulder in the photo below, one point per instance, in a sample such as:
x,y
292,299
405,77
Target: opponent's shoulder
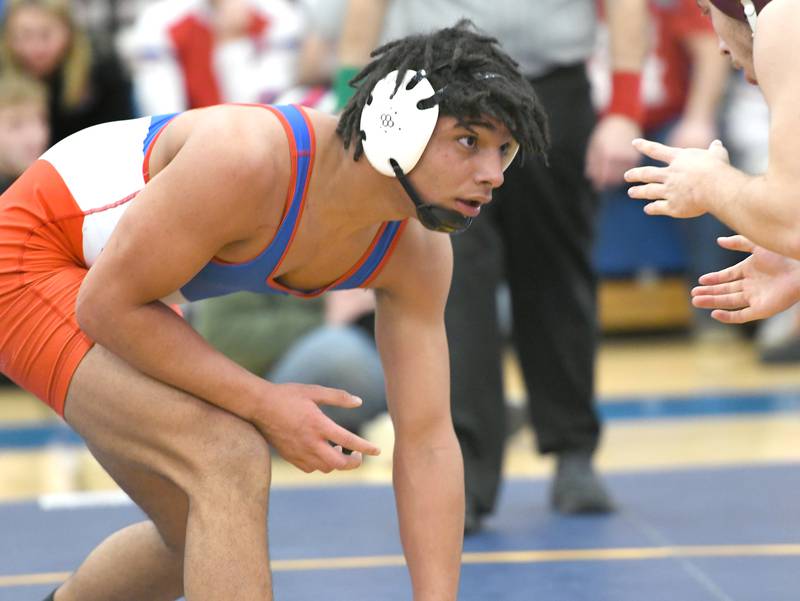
x,y
422,265
775,45
778,31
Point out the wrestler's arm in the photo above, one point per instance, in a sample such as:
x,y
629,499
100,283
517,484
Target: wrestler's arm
x,y
763,208
207,197
428,467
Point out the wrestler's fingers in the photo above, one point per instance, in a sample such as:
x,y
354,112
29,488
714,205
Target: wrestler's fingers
x,y
737,242
730,302
647,174
333,396
654,150
729,274
344,438
647,191
718,289
740,316
658,207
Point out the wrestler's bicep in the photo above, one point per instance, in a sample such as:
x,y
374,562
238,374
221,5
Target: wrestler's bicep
x,y
198,204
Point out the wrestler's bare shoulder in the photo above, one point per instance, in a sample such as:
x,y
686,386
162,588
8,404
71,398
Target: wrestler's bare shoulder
x,y
421,265
778,31
248,135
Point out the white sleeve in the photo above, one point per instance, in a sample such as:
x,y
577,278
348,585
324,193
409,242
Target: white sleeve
x,y
258,70
158,82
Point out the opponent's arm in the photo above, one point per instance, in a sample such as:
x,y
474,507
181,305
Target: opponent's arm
x,y
763,208
198,204
428,468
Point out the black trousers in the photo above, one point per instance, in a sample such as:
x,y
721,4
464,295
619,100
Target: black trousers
x,y
538,236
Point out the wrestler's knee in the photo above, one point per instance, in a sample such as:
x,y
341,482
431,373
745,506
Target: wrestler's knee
x,y
232,457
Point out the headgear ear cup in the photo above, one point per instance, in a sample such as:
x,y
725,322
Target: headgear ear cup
x,y
512,151
393,124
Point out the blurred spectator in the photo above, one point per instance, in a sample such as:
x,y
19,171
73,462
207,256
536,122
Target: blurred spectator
x,y
683,81
24,130
41,40
317,62
103,20
308,341
193,53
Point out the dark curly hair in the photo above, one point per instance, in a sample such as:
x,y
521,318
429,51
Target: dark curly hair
x,y
480,79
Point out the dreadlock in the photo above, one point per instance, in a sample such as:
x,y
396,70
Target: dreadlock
x,y
480,79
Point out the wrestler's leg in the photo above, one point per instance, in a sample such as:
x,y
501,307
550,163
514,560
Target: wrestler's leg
x,y
200,473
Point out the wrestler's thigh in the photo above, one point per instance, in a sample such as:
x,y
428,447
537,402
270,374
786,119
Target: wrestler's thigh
x,y
138,426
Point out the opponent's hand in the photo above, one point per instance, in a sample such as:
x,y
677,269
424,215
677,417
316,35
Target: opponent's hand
x,y
609,153
764,284
675,190
292,422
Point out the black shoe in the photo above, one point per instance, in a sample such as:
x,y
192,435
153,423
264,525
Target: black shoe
x,y
577,488
472,517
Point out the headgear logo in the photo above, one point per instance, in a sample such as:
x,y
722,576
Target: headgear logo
x,y
386,120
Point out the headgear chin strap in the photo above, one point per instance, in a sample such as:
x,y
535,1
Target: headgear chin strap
x,y
750,13
742,10
397,123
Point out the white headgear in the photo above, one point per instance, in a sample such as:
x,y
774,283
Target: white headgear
x,y
398,125
393,124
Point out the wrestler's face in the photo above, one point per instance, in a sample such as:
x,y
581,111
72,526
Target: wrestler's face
x,y
38,39
23,137
462,163
735,39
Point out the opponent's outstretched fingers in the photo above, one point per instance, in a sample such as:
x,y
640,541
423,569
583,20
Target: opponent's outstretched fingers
x,y
740,316
729,274
658,207
659,152
730,302
647,174
718,289
736,242
647,191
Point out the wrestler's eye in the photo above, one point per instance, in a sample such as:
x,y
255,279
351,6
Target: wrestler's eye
x,y
468,141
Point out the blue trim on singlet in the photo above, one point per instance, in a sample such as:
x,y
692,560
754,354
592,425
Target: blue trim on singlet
x,y
218,278
374,260
157,123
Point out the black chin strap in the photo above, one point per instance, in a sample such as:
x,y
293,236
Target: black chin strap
x,y
435,218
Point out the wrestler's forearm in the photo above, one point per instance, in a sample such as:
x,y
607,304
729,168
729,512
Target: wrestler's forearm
x,y
429,485
159,343
762,208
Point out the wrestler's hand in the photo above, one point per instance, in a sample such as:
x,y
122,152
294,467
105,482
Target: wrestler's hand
x,y
764,284
292,422
677,189
609,153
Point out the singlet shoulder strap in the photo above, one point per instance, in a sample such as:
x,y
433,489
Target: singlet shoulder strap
x,y
301,146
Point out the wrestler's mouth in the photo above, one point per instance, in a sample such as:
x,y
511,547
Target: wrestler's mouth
x,y
469,208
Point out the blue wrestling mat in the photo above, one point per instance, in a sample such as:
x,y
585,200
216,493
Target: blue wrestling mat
x,y
728,534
